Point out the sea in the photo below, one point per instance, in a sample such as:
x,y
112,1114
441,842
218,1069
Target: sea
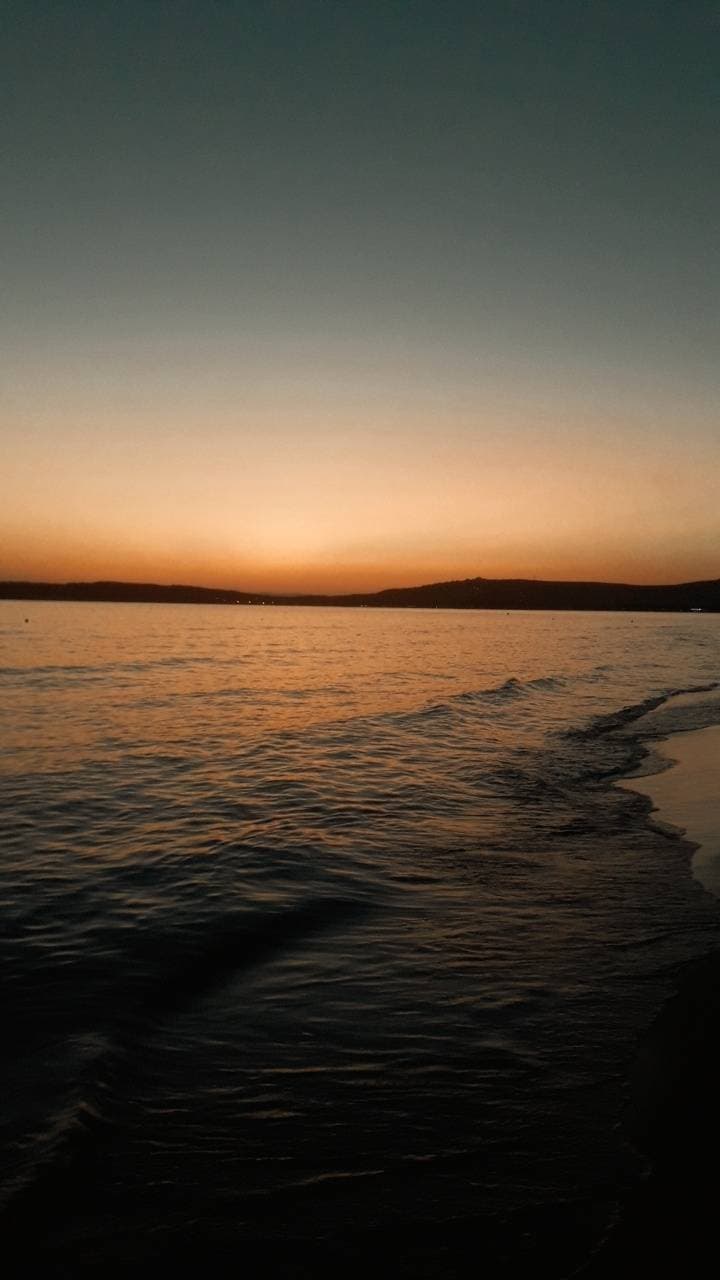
x,y
326,930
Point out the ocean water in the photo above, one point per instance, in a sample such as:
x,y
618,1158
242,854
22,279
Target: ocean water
x,y
329,926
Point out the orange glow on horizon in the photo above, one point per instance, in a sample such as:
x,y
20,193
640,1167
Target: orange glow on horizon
x,y
287,495
328,304
51,564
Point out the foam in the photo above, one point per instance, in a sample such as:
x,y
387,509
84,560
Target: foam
x,y
685,796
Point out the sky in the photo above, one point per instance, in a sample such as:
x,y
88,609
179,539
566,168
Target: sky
x,y
338,295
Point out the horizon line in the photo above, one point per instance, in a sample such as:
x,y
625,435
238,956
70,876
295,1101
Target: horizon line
x,y
337,595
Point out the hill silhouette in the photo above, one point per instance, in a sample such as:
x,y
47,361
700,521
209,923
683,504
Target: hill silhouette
x,y
467,593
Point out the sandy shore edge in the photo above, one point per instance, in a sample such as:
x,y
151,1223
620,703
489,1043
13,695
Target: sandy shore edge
x,y
686,795
674,1116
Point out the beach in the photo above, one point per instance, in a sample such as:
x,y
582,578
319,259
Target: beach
x,y
685,796
674,1111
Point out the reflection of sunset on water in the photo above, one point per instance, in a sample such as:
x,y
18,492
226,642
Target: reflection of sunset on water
x,y
311,901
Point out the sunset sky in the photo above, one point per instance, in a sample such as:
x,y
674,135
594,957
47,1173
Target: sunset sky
x,y
326,294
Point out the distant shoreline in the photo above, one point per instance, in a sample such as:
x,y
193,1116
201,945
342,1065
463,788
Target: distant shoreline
x,y
470,593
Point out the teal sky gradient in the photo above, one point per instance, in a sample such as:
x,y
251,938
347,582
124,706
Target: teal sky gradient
x,y
311,293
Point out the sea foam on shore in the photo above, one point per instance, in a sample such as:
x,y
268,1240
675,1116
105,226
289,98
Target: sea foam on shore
x,y
685,796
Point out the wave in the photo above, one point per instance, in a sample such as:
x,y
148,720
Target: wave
x,y
514,688
510,690
601,725
172,973
103,670
236,943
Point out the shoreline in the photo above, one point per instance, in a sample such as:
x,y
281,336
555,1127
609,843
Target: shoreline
x,y
681,792
554,595
674,1110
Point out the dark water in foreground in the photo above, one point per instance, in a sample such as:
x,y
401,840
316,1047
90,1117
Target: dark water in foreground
x,y
326,925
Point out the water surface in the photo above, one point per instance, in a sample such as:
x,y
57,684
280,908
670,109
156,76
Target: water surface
x,y
324,922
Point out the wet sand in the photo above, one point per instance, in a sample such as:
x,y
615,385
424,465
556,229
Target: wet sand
x,y
687,797
674,1116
